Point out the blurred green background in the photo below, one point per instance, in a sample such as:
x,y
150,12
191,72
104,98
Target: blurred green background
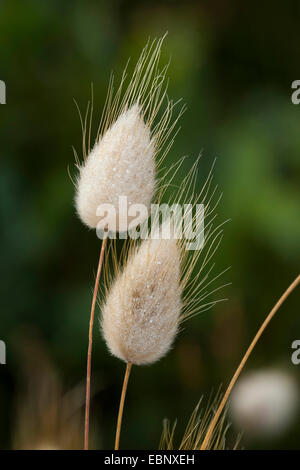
x,y
233,65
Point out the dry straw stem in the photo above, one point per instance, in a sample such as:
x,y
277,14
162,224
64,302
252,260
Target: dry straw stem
x,y
90,346
208,437
121,407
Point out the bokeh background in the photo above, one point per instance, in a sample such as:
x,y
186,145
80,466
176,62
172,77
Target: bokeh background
x,y
233,65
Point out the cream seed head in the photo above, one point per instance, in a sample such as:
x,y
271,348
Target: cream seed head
x,y
131,142
141,314
158,288
121,164
264,402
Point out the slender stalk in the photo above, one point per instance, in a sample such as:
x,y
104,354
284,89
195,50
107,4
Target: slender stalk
x,y
244,360
90,346
121,407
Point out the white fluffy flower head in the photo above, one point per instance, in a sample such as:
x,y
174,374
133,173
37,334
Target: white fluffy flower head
x,y
121,164
264,402
141,314
136,127
148,299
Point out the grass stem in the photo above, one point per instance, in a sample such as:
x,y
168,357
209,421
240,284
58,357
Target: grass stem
x,y
121,407
90,346
214,421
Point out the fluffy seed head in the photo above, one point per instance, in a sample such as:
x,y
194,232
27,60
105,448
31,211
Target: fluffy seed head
x,y
158,287
130,137
264,402
121,164
141,314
